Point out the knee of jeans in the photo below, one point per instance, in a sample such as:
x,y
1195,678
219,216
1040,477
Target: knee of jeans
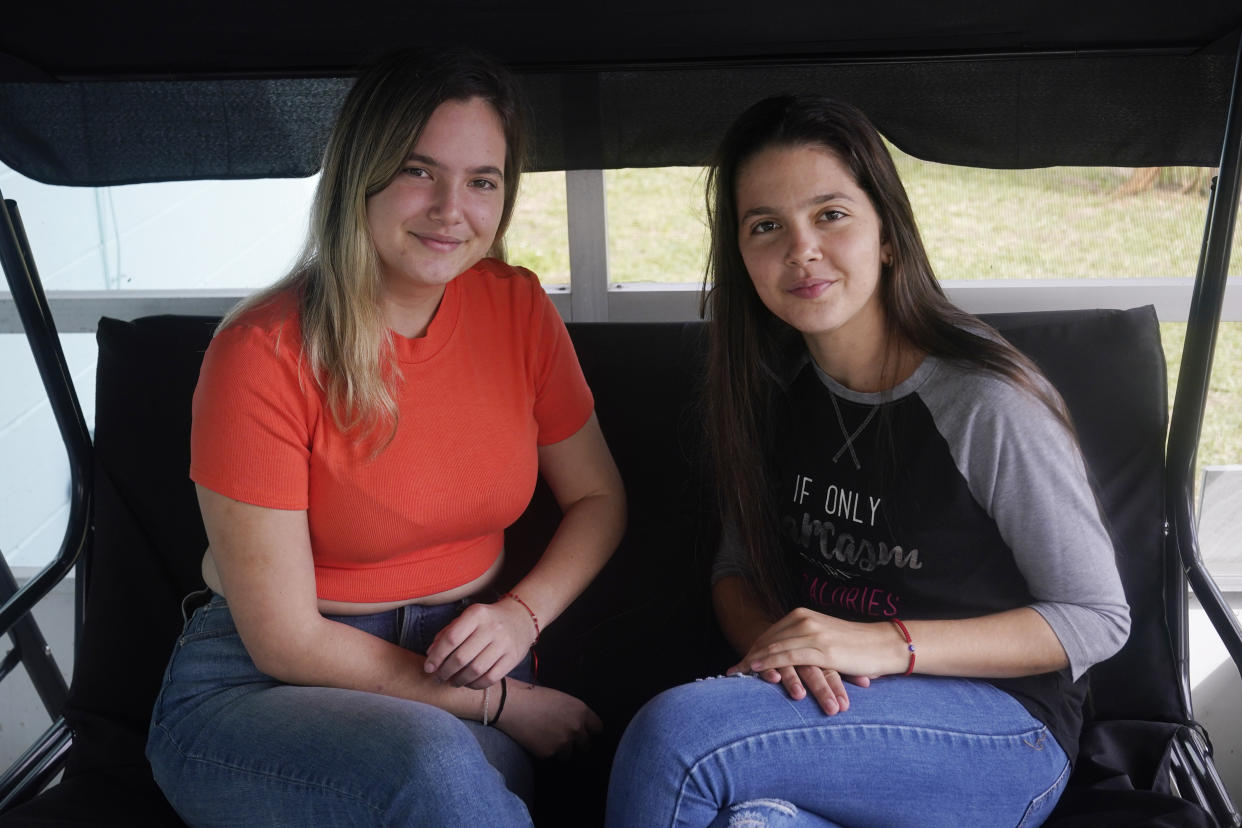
x,y
762,813
652,737
672,722
654,718
434,762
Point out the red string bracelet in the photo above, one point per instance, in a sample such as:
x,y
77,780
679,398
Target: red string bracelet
x,y
534,656
909,643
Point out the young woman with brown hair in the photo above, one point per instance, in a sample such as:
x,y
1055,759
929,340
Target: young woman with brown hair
x,y
906,510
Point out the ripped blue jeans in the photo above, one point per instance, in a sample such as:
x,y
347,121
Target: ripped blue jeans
x,y
920,751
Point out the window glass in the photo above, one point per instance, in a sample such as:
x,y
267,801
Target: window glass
x,y
222,234
34,469
1059,222
173,235
978,224
538,237
656,226
1054,223
1221,441
1218,464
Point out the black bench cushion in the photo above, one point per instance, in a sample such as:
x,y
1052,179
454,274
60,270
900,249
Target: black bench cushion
x,y
645,624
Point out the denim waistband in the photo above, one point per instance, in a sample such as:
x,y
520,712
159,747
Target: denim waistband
x,y
413,626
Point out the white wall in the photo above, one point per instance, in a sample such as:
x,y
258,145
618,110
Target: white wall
x,y
34,471
199,234
1216,691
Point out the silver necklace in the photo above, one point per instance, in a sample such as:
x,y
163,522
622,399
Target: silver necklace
x,y
849,438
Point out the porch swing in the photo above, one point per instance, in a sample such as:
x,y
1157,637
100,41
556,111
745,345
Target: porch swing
x,y
121,100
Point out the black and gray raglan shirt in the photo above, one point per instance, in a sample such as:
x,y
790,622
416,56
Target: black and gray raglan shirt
x,y
953,495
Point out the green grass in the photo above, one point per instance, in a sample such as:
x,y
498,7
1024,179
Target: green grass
x,y
538,236
657,227
1221,439
656,230
1055,223
977,224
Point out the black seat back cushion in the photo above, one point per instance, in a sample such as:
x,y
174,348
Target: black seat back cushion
x,y
1109,367
645,623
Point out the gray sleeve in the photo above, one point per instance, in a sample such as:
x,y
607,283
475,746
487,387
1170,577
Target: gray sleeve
x,y
730,556
1027,472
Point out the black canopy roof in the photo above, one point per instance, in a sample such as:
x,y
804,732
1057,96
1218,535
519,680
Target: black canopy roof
x,y
95,94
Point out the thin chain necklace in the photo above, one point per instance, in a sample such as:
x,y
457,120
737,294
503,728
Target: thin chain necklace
x,y
849,437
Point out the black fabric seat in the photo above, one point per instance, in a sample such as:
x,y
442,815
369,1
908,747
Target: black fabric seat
x,y
645,623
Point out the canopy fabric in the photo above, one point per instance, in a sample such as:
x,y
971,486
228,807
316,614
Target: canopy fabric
x,y
233,90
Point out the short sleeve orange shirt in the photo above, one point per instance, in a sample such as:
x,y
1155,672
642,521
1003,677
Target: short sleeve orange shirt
x,y
494,377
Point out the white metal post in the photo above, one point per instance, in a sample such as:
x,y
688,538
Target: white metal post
x,y
588,245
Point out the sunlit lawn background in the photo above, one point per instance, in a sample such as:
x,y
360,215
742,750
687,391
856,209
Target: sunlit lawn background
x,y
977,224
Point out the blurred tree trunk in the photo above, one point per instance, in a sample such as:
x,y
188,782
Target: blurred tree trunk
x,y
1188,180
1141,180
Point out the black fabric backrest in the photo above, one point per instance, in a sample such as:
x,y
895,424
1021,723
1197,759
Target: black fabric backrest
x,y
646,622
1109,367
149,537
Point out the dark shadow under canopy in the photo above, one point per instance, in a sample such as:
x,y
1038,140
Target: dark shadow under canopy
x,y
242,90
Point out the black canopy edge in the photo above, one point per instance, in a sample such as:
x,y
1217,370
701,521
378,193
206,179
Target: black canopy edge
x,y
14,69
1156,107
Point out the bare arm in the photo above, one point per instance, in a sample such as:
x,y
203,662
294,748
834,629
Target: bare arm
x,y
807,651
489,639
743,622
587,486
263,558
1017,642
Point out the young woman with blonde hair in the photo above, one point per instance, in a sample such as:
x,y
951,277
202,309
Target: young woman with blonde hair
x,y
363,433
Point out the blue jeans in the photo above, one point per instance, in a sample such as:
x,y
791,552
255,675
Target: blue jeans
x,y
918,751
232,746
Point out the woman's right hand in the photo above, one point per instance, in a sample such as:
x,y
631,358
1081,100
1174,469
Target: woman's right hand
x,y
748,627
482,644
545,721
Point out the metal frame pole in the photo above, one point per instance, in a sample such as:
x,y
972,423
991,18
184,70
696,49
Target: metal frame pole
x,y
36,316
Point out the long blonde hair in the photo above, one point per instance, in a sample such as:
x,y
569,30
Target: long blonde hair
x,y
337,279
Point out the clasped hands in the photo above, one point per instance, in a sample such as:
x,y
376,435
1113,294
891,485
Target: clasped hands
x,y
809,652
481,646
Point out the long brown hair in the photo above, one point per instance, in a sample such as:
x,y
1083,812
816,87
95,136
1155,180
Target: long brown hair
x,y
337,278
750,348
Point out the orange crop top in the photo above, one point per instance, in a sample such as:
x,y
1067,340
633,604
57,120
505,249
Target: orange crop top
x,y
494,377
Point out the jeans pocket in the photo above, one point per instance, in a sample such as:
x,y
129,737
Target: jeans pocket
x,y
1041,806
203,635
206,619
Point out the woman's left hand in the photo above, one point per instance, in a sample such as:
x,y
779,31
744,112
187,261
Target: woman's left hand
x,y
842,650
481,645
826,686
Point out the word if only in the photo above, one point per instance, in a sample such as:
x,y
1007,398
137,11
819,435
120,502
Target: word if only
x,y
838,502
